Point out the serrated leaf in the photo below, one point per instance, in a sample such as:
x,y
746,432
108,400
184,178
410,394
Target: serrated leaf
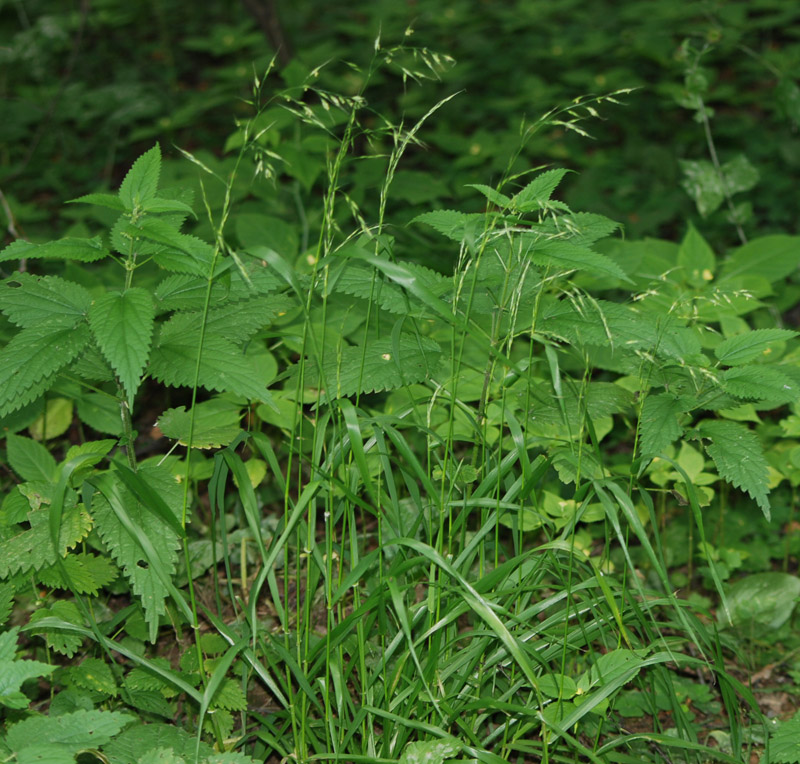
x,y
564,254
101,200
224,367
381,365
759,383
784,743
166,205
36,299
739,458
125,550
7,592
229,696
83,250
29,362
457,226
537,193
122,324
748,346
217,423
128,746
86,573
141,182
182,291
94,674
62,642
32,548
78,730
493,195
708,187
658,422
29,458
14,672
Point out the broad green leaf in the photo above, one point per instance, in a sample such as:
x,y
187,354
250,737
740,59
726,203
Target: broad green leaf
x,y
32,548
30,361
762,601
457,226
537,193
380,365
566,255
494,196
746,347
140,737
122,324
784,743
141,182
166,205
128,553
185,292
78,730
14,672
87,573
29,459
759,382
708,187
696,257
224,366
63,642
772,257
29,300
658,422
217,423
83,250
101,200
55,421
94,674
430,751
739,458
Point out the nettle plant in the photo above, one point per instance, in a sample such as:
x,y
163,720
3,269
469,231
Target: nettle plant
x,y
90,349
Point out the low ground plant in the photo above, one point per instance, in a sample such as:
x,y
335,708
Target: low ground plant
x,y
388,512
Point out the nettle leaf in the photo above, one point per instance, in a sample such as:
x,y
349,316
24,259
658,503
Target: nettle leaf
x,y
63,642
494,196
74,731
86,573
569,256
224,366
430,751
29,459
94,674
236,321
772,257
186,292
216,423
32,548
658,422
30,361
581,228
537,193
139,738
122,324
739,457
746,347
167,205
35,299
784,743
83,250
125,550
458,226
380,365
759,383
141,182
14,672
101,200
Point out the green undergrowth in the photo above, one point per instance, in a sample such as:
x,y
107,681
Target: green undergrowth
x,y
390,512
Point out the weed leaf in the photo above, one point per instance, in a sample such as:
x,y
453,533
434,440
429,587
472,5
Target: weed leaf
x,y
141,182
30,459
83,250
122,324
759,383
30,300
537,193
564,254
739,458
784,743
100,200
29,362
658,422
746,347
